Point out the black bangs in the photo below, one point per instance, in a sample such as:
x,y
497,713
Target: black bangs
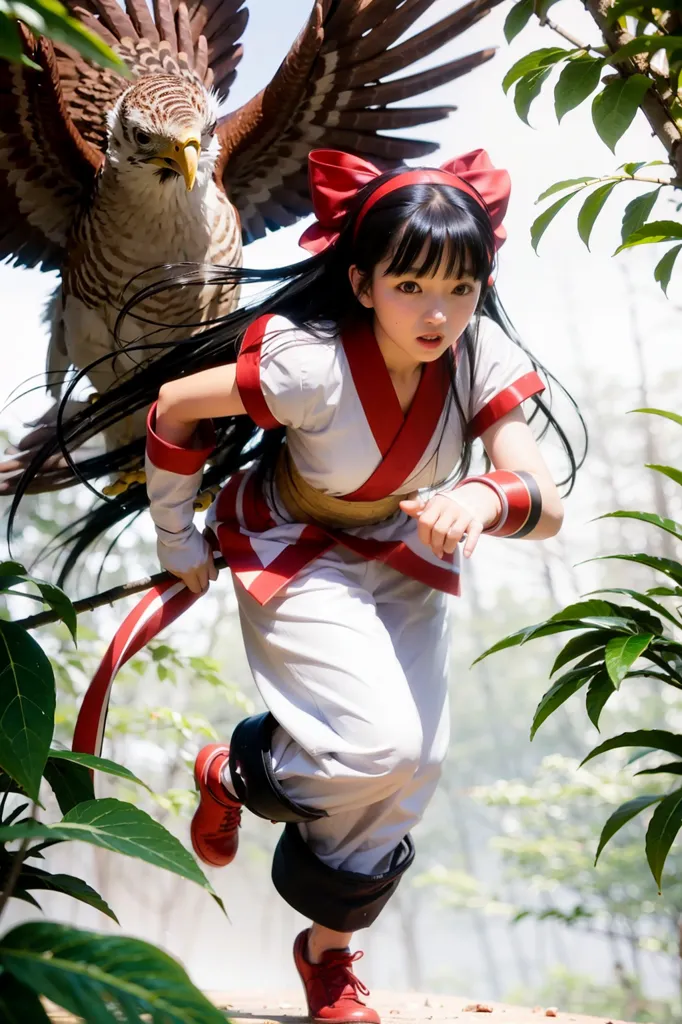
x,y
440,227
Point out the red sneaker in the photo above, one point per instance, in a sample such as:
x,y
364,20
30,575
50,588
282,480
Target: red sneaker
x,y
216,821
331,988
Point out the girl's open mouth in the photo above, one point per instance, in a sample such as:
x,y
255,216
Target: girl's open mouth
x,y
432,340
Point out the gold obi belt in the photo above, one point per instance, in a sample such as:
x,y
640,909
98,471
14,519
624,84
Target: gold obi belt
x,y
305,504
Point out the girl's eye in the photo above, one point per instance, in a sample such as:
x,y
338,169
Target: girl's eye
x,y
462,289
408,287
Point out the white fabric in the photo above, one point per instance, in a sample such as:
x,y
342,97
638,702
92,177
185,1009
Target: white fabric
x,y
179,546
351,659
308,388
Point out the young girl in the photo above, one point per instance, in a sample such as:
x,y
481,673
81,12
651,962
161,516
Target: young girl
x,y
370,371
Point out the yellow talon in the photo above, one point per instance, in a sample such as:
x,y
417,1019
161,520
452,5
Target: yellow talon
x,y
124,481
205,499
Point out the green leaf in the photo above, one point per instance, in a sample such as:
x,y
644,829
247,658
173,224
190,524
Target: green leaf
x,y
665,823
646,44
652,232
632,167
71,783
118,826
669,471
675,417
637,212
559,186
100,764
527,90
665,565
535,61
614,108
591,209
522,636
53,596
540,225
670,768
35,879
19,1004
27,703
664,268
598,693
104,978
644,599
563,688
669,525
51,19
580,645
580,609
577,81
10,574
517,19
11,48
625,813
622,652
655,739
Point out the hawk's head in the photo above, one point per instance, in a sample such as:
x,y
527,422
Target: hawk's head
x,y
164,126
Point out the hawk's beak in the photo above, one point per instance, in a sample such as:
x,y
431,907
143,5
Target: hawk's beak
x,y
181,155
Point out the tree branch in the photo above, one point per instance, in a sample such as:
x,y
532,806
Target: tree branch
x,y
88,604
662,122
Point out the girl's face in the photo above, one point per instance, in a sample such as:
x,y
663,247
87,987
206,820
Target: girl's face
x,y
417,318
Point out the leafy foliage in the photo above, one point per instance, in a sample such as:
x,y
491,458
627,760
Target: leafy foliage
x,y
647,70
617,643
101,978
51,19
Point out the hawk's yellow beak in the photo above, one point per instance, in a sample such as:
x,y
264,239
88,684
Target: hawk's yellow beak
x,y
181,155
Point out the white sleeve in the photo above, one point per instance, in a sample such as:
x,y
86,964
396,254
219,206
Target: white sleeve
x,y
503,378
278,374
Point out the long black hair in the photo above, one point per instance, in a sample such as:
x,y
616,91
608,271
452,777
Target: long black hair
x,y
418,227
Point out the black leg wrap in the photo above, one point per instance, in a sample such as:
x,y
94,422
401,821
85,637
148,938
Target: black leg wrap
x,y
252,775
341,900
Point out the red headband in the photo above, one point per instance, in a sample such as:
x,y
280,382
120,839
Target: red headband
x,y
336,178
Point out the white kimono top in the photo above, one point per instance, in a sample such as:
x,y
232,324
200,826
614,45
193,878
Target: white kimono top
x,y
348,437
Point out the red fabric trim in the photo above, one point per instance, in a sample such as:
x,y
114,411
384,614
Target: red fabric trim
x,y
130,638
175,458
505,401
248,375
373,384
402,440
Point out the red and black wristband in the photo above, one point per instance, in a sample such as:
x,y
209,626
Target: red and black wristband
x,y
520,498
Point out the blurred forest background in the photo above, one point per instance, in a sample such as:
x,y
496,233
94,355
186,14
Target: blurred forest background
x,y
503,901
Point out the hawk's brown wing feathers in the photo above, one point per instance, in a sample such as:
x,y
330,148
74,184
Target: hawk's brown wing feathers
x,y
46,167
330,91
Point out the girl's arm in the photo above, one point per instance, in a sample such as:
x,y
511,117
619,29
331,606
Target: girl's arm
x,y
183,403
176,453
473,507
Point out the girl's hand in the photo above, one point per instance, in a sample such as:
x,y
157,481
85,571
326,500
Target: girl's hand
x,y
443,520
191,561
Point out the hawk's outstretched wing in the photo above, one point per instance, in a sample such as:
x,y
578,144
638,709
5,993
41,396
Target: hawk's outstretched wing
x,y
333,90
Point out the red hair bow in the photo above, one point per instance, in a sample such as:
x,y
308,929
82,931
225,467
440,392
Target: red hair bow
x,y
335,178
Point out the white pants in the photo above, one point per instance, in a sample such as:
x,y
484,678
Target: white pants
x,y
351,659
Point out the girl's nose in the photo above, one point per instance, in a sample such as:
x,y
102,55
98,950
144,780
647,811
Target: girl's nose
x,y
435,317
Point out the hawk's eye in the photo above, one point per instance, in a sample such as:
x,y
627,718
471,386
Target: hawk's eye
x,y
142,138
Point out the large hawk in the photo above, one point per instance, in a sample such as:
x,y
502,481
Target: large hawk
x,y
103,178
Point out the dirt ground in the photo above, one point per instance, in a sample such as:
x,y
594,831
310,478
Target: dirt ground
x,y
406,1008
